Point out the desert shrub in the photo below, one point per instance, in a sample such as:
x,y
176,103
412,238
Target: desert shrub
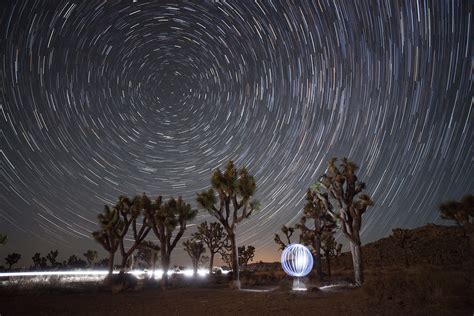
x,y
121,282
285,285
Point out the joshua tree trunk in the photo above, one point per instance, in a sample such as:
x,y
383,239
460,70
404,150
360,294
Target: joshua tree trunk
x,y
111,262
153,265
165,263
356,252
211,263
195,268
235,261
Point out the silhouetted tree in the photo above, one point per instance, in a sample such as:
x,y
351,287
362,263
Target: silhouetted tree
x,y
52,258
403,238
75,262
338,253
214,237
148,254
139,209
328,245
109,233
3,239
39,262
320,222
103,263
91,257
463,213
287,232
246,254
341,193
11,259
232,205
165,220
195,249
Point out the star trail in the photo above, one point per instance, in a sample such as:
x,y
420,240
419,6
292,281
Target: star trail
x,y
100,99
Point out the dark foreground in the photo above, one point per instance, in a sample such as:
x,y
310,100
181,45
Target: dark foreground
x,y
207,301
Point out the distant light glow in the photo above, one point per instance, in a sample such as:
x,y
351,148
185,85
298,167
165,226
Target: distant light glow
x,y
296,260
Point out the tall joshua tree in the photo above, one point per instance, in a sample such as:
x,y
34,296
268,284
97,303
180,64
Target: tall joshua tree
x,y
321,222
232,205
165,220
287,232
214,237
91,257
463,213
109,233
341,193
11,259
133,212
195,249
52,258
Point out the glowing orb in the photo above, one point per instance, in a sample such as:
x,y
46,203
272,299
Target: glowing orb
x,y
297,260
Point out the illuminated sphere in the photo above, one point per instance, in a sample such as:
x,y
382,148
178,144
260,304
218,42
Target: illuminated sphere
x,y
296,260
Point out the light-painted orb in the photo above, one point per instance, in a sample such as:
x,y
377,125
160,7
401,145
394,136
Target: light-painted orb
x,y
296,260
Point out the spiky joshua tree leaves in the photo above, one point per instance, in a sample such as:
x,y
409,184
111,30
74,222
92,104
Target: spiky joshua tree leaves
x,y
11,259
230,201
214,237
463,213
169,216
341,192
195,249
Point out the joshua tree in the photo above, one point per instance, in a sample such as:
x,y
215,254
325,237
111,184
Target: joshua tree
x,y
165,220
131,212
341,193
195,249
52,258
214,237
109,233
329,246
463,213
3,239
74,262
11,259
148,254
39,262
321,222
246,254
232,205
288,232
403,238
91,257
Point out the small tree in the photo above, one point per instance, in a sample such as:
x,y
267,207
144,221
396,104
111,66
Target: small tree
x,y
109,233
165,220
52,258
320,222
39,262
214,237
75,262
91,257
287,232
403,238
246,254
341,193
328,245
3,239
11,259
233,204
148,255
195,250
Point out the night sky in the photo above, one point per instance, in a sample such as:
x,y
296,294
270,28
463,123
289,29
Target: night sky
x,y
99,99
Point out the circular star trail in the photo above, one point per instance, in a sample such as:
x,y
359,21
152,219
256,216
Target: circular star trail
x,y
100,99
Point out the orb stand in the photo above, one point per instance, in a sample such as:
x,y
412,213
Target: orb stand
x,y
297,261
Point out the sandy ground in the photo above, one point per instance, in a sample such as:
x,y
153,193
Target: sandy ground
x,y
202,301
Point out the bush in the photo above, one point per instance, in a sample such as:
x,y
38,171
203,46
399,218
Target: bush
x,y
121,282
